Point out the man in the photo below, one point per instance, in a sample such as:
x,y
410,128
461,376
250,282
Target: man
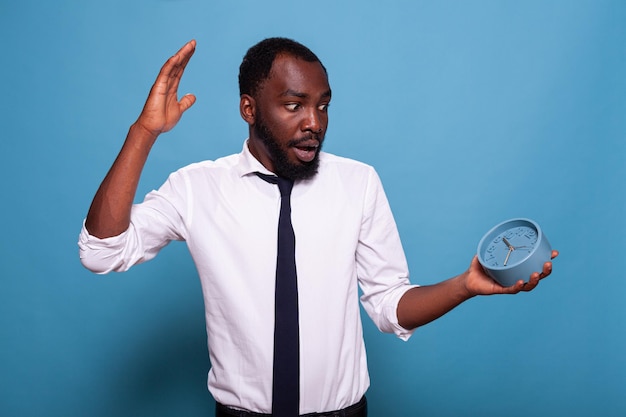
x,y
228,212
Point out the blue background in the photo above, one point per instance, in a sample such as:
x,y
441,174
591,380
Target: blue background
x,y
472,112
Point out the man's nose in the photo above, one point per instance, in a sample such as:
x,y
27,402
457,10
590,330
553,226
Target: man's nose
x,y
313,121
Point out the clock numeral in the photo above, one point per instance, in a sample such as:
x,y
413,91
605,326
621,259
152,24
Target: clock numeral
x,y
532,238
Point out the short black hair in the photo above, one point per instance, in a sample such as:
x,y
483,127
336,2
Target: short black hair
x,y
257,63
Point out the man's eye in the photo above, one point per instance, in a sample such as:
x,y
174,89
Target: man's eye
x,y
292,106
324,107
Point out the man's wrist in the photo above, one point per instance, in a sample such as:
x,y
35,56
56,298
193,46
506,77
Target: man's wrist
x,y
142,136
464,290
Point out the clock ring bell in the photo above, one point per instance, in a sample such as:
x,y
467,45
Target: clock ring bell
x,y
513,250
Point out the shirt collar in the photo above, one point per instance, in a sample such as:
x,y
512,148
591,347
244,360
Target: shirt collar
x,y
248,164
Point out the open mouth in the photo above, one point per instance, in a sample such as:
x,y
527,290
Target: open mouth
x,y
306,150
305,153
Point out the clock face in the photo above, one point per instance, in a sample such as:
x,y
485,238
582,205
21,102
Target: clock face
x,y
510,247
513,250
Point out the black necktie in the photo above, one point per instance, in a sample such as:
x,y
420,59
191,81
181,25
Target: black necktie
x,y
286,382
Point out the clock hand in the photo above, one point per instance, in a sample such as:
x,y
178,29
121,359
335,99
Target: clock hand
x,y
506,242
511,249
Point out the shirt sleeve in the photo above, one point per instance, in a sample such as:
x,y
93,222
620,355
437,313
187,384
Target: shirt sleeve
x,y
381,264
153,224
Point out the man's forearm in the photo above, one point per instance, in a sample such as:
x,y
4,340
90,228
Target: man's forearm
x,y
109,214
421,305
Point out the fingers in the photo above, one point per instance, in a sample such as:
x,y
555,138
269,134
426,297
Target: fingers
x,y
520,285
532,282
547,269
175,66
186,52
513,289
183,55
536,277
172,71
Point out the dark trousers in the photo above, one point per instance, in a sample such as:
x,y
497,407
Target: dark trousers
x,y
357,410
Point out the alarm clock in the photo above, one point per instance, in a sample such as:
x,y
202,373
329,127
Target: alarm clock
x,y
513,250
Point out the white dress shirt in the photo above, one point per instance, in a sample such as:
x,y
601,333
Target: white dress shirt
x,y
345,237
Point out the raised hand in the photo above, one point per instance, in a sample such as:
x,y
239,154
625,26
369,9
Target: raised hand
x,y
109,214
163,109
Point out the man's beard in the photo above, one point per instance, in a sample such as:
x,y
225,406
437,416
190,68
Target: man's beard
x,y
283,167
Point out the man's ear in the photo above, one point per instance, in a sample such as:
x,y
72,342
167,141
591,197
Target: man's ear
x,y
247,108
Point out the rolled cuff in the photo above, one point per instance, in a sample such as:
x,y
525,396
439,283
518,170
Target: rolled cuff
x,y
101,255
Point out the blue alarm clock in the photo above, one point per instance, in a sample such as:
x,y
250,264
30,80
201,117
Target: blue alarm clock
x,y
513,250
